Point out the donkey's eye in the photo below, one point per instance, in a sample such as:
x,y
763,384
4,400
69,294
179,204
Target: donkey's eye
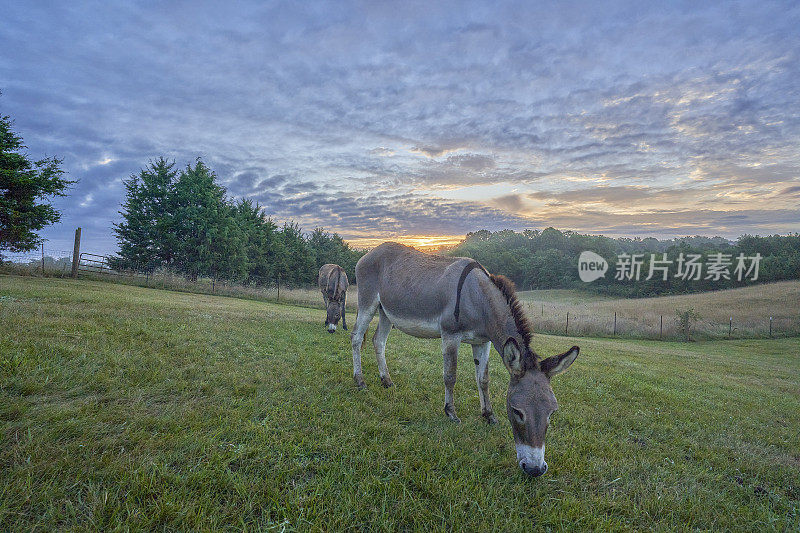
x,y
519,415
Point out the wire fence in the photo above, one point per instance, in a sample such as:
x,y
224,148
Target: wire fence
x,y
770,314
58,263
642,318
45,262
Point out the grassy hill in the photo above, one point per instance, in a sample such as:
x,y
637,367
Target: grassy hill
x,y
123,406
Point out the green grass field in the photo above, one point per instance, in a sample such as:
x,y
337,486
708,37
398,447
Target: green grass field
x,y
125,407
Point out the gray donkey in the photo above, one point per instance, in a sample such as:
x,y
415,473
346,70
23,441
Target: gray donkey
x,y
455,298
333,285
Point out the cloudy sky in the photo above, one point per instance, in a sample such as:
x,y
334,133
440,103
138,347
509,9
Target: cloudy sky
x,y
426,119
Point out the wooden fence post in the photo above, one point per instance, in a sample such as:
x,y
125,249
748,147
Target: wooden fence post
x,y
661,331
770,326
566,327
42,258
615,323
279,286
730,327
76,253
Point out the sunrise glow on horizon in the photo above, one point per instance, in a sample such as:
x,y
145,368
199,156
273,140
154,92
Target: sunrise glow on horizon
x,y
425,243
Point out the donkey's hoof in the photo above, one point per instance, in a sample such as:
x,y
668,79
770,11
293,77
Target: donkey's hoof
x,y
386,381
489,417
360,382
344,328
450,411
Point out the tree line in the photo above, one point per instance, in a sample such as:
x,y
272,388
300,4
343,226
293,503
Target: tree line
x,y
548,259
181,220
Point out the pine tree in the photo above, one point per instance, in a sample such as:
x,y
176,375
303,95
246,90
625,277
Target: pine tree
x,y
260,241
296,265
145,235
207,239
331,248
25,187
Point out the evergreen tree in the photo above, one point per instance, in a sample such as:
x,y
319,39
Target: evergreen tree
x,y
331,248
145,234
295,265
25,188
227,247
201,225
260,240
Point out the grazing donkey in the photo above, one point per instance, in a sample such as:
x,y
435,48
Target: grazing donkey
x,y
455,298
333,284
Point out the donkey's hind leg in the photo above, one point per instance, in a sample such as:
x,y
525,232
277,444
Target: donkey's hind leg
x,y
366,310
379,343
450,355
344,303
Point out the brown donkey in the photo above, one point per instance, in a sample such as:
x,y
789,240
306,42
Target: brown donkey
x,y
333,284
455,298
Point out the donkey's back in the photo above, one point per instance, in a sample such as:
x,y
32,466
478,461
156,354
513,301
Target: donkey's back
x,y
408,284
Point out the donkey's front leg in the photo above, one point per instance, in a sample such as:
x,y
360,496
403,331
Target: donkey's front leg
x,y
480,354
450,354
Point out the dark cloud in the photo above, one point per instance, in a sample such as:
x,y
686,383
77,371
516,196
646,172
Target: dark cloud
x,y
430,151
272,182
509,202
300,187
620,104
475,162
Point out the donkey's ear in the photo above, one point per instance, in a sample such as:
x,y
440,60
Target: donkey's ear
x,y
512,357
552,366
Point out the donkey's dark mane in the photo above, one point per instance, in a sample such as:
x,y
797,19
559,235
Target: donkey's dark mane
x,y
524,326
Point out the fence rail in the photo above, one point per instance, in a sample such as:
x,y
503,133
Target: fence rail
x,y
97,264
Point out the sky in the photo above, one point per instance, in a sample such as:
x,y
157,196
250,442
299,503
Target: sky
x,y
421,121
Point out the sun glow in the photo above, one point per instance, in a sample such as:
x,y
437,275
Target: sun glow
x,y
425,243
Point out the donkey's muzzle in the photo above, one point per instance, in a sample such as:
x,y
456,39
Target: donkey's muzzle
x,y
331,328
533,470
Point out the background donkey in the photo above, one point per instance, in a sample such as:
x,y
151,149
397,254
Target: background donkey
x,y
333,284
456,299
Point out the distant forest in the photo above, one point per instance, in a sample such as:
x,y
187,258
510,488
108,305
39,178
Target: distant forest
x,y
548,259
182,221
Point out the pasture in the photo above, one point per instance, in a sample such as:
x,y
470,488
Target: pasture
x,y
750,307
128,407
